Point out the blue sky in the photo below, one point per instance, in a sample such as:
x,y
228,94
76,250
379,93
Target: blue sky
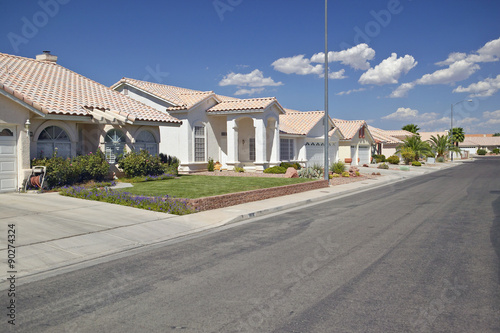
x,y
394,62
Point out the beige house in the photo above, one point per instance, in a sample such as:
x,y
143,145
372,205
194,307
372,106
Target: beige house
x,y
387,141
356,146
46,108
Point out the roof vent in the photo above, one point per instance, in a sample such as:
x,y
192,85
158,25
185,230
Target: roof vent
x,y
46,56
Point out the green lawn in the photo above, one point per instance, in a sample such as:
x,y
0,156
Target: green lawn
x,y
192,186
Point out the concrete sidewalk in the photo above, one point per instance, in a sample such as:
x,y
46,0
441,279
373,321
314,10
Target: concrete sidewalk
x,y
54,232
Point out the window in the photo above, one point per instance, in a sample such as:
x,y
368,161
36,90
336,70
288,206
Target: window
x,y
146,141
53,139
199,144
6,132
252,149
286,149
114,145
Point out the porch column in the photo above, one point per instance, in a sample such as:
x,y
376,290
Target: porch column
x,y
260,145
275,150
232,144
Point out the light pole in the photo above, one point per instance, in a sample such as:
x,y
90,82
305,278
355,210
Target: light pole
x,y
326,123
451,129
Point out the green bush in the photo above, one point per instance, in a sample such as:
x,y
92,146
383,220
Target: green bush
x,y
481,151
496,151
66,171
287,165
211,164
416,163
379,158
345,174
337,167
383,166
440,159
393,159
275,169
141,163
239,169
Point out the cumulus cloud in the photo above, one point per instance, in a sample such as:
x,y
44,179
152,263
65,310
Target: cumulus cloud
x,y
457,71
389,70
336,75
297,65
250,92
488,53
452,58
402,90
253,79
410,114
484,88
348,92
356,57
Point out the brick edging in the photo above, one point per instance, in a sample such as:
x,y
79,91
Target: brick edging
x,y
231,199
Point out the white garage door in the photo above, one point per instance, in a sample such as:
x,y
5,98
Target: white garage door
x,y
8,168
364,155
314,153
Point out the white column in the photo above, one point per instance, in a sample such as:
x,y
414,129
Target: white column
x,y
260,144
275,150
232,144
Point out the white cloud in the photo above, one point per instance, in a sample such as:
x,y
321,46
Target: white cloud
x,y
484,88
252,79
457,71
250,92
297,65
452,58
488,53
336,75
410,114
356,57
402,90
348,92
492,114
389,70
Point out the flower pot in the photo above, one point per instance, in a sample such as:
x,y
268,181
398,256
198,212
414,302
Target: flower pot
x,y
348,160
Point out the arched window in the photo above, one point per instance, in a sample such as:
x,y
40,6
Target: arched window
x,y
114,145
6,132
52,139
146,141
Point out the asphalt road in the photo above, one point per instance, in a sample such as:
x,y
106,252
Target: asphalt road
x,y
417,256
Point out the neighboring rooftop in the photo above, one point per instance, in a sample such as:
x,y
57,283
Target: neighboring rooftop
x,y
53,89
349,128
249,104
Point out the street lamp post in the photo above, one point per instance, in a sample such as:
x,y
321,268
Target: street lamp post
x,y
451,129
326,123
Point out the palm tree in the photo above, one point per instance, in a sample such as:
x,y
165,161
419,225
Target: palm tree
x,y
441,145
416,144
458,135
411,128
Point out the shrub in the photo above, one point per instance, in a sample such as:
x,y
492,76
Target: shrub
x,y
141,163
440,159
357,173
170,163
407,154
481,151
311,173
287,165
383,166
416,163
379,158
393,159
211,164
91,166
345,174
337,167
239,169
275,169
496,151
336,175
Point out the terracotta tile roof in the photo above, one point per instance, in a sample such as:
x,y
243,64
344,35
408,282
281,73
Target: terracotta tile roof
x,y
54,89
180,98
399,134
299,122
426,136
480,141
383,136
349,128
243,104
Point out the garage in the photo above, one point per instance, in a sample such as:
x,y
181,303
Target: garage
x,y
364,155
8,158
314,153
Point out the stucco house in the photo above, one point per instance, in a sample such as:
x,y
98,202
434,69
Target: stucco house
x,y
45,107
357,142
387,141
302,137
472,143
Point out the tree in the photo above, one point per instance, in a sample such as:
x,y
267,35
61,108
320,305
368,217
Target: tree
x,y
496,134
411,128
458,135
441,145
415,143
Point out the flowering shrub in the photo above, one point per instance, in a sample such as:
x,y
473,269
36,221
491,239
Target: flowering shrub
x,y
141,163
157,204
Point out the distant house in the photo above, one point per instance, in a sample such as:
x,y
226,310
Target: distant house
x,y
472,143
45,108
387,141
302,137
357,142
235,132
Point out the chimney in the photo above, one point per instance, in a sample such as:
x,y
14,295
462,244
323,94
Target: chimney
x,y
46,56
